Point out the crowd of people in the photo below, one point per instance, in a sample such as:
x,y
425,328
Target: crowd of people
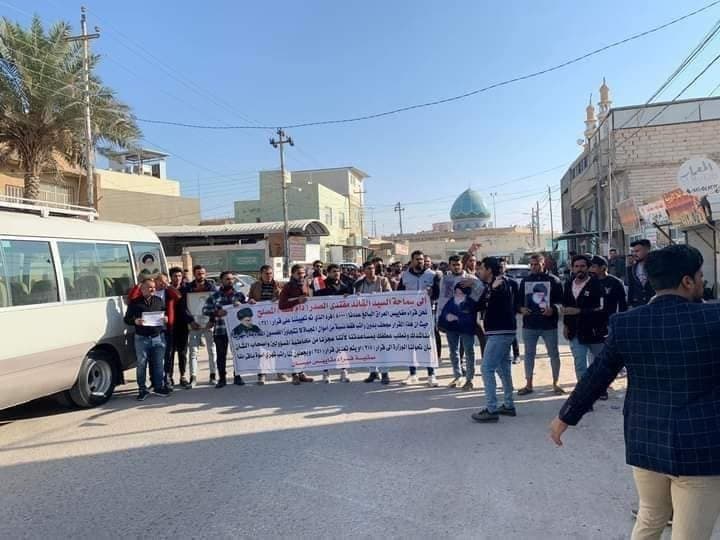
x,y
474,302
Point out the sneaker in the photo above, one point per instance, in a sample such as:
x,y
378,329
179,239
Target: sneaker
x,y
432,381
344,376
238,380
281,377
222,383
516,360
193,382
468,386
295,379
454,383
213,379
506,411
374,376
485,416
326,377
385,378
184,382
411,379
604,396
169,383
143,395
557,390
261,379
304,378
162,392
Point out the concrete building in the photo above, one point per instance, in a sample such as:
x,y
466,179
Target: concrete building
x,y
332,196
470,230
630,158
133,190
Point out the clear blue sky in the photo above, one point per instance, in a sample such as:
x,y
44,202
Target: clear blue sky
x,y
289,62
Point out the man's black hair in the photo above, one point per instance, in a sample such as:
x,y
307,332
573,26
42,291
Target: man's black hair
x,y
265,267
416,253
331,267
224,273
295,268
175,270
644,242
454,258
668,266
198,267
580,258
492,264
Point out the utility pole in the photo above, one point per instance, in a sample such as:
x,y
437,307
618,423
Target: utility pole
x,y
279,143
493,195
537,223
399,209
532,226
552,228
89,146
361,214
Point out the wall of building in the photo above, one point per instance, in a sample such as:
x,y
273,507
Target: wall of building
x,y
147,208
651,159
138,183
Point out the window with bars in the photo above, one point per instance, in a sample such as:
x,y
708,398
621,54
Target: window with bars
x,y
57,193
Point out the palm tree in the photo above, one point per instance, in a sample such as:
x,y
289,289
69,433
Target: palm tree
x,y
41,102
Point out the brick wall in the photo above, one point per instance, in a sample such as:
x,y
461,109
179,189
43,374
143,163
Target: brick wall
x,y
649,161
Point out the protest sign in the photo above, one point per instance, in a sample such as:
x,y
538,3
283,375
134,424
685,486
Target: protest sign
x,y
628,215
683,209
196,302
332,332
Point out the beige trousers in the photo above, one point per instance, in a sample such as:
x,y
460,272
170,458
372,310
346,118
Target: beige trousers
x,y
693,503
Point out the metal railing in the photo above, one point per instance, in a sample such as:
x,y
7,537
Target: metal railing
x,y
46,208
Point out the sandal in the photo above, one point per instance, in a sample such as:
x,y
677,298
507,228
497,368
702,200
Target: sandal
x,y
525,391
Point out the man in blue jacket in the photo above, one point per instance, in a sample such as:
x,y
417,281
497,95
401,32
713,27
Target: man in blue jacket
x,y
671,349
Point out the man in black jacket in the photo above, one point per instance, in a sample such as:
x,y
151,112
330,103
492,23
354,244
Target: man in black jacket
x,y
147,314
540,308
585,326
640,290
498,304
671,349
335,285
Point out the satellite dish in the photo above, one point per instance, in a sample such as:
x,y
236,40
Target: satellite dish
x,y
580,142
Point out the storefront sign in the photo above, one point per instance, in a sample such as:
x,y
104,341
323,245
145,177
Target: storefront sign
x,y
699,177
683,209
629,216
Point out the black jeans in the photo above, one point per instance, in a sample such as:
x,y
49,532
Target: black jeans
x,y
221,348
177,342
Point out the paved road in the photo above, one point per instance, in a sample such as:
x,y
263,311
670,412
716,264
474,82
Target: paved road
x,y
316,461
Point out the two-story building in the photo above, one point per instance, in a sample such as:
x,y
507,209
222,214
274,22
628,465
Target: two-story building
x,y
333,196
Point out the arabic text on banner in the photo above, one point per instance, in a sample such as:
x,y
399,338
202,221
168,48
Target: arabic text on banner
x,y
361,331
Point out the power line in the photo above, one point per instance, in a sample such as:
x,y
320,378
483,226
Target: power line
x,y
448,99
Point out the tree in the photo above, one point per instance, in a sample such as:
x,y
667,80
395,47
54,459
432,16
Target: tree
x,y
41,102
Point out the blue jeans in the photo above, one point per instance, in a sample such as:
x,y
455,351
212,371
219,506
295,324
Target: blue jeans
x,y
583,355
152,350
468,342
497,359
550,337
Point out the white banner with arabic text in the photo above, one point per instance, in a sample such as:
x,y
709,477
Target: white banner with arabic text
x,y
332,332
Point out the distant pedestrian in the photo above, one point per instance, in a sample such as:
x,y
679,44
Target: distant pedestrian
x,y
215,306
419,278
149,338
266,289
671,349
640,290
294,293
201,330
616,265
498,305
540,320
373,284
584,325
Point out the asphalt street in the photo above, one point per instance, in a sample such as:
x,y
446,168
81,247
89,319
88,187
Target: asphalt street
x,y
315,461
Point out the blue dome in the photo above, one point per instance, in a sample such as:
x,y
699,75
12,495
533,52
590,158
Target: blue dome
x,y
469,205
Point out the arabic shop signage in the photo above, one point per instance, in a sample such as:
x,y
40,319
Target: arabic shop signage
x,y
699,177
